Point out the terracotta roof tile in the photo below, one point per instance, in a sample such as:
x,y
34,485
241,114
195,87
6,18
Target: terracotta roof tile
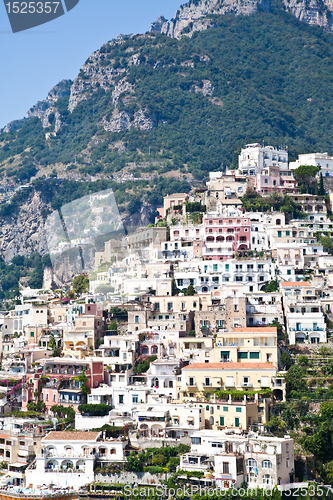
x,y
252,329
71,436
230,366
295,283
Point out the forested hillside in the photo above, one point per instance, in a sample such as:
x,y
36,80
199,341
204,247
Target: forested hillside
x,y
183,107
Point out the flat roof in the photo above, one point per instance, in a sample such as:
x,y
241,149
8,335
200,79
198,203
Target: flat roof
x,y
230,366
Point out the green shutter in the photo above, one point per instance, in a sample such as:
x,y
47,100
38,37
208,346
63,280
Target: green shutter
x,y
242,355
221,420
207,408
238,409
254,355
236,422
225,408
225,353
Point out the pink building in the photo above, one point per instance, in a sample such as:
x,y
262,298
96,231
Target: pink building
x,y
59,384
226,235
272,179
172,200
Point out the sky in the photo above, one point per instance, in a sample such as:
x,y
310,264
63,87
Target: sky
x,y
33,61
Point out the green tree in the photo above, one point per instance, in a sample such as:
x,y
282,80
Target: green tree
x,y
295,379
190,290
80,284
306,177
133,463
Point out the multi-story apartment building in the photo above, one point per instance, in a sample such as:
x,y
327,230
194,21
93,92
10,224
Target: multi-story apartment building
x,y
199,377
221,316
260,461
270,180
61,384
224,186
321,160
224,236
313,205
304,316
254,158
255,345
262,308
80,339
117,350
69,459
249,412
166,312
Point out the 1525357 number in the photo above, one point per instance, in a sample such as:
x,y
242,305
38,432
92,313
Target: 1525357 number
x,y
32,7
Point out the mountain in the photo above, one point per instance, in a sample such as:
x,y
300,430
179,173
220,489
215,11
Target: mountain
x,y
152,114
196,15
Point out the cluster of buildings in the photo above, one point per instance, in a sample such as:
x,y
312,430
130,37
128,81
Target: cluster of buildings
x,y
186,347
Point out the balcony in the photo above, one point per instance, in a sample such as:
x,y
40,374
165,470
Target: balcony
x,y
246,384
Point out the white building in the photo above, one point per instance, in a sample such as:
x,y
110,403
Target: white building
x,y
260,461
254,158
68,459
321,160
304,316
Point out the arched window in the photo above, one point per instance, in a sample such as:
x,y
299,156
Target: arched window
x,y
256,229
251,463
278,222
267,464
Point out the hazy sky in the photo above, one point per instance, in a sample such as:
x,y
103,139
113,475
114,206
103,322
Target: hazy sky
x,y
33,61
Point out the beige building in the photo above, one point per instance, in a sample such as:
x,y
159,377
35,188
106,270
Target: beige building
x,y
199,378
220,316
247,345
80,340
250,412
167,312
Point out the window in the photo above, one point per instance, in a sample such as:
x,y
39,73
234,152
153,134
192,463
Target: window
x,y
135,398
238,409
227,267
221,420
32,334
214,267
279,234
251,463
225,467
267,480
136,319
191,381
287,233
54,398
242,355
121,399
47,397
267,464
225,408
170,306
196,440
287,463
254,355
289,272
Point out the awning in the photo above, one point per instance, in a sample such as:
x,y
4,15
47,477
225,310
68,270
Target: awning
x,y
23,453
17,464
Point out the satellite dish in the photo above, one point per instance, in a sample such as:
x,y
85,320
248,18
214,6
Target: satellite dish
x,y
54,421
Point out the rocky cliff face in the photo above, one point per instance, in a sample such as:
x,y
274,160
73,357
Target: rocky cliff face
x,y
22,233
194,15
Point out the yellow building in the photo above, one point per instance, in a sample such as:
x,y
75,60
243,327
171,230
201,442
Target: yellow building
x,y
247,345
199,378
250,412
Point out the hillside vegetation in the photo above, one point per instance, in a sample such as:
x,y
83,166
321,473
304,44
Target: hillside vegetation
x,y
265,77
